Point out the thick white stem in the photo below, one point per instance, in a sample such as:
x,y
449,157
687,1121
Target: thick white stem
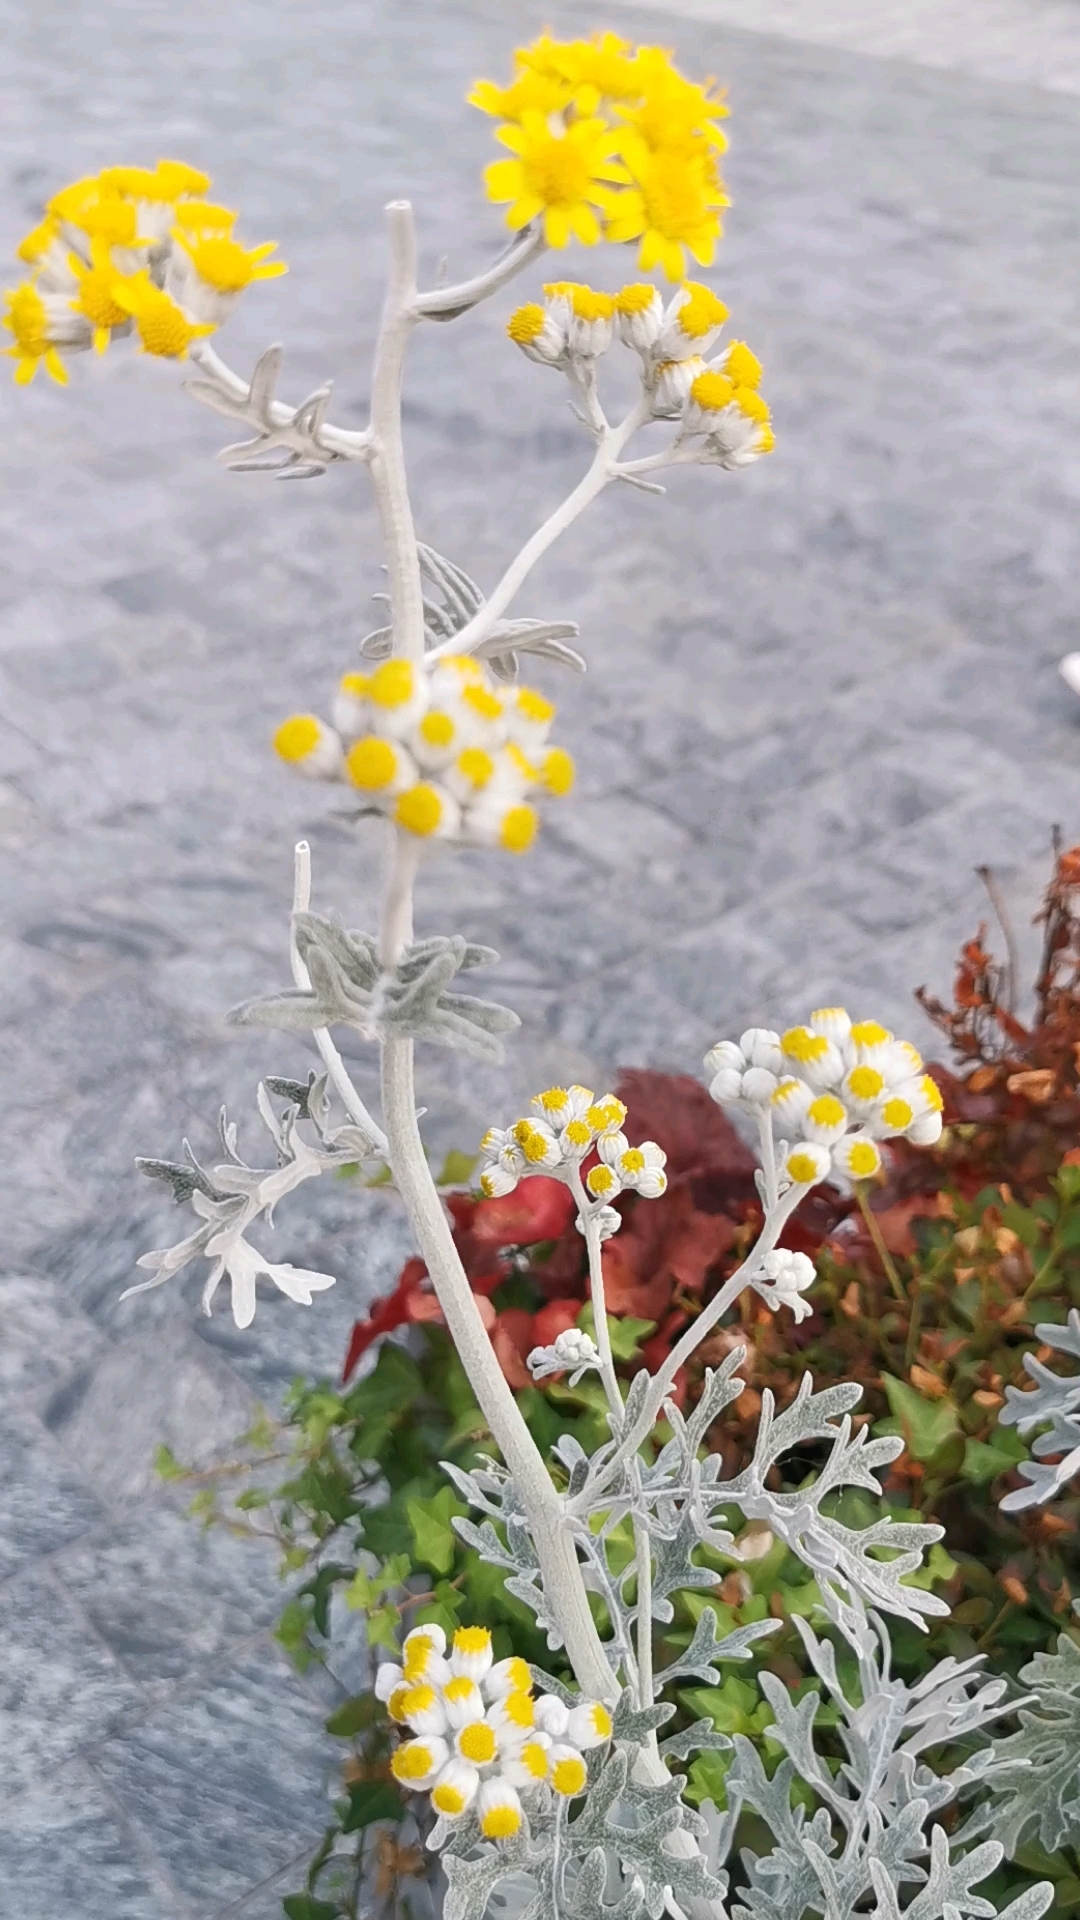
x,y
560,1571
331,1058
593,482
389,479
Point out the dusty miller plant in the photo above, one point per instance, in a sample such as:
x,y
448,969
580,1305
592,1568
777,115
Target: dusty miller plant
x,y
562,1803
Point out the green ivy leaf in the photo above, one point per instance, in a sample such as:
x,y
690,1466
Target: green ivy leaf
x,y
457,1168
926,1424
371,1800
626,1335
382,1628
304,1906
354,1716
434,1539
167,1466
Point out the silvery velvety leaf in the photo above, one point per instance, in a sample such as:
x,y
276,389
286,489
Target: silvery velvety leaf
x,y
1055,1402
698,1660
349,988
1035,1781
461,599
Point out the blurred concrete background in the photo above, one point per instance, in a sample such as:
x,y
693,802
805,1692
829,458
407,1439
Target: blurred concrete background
x,y
819,693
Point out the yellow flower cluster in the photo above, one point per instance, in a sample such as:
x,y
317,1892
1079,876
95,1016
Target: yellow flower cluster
x,y
717,400
131,247
440,749
610,142
479,1738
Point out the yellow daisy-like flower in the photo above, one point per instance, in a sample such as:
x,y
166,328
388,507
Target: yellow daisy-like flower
x,y
224,264
163,327
561,173
528,92
28,319
671,111
672,207
96,298
169,180
592,70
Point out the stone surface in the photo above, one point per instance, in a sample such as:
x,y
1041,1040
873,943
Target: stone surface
x,y
60,1689
67,1851
819,694
227,1783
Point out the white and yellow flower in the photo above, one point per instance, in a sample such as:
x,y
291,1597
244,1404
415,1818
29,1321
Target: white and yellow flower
x,y
539,332
639,1168
428,810
422,1655
813,1057
208,271
471,1653
507,1676
692,321
530,1765
44,326
639,316
825,1120
857,1156
455,1789
672,385
558,1105
603,1182
587,316
315,750
791,1101
567,1773
589,1725
380,767
498,1809
351,713
807,1163
417,1763
398,695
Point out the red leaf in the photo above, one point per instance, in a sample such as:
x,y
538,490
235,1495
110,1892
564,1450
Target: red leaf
x,y
675,1110
512,1338
539,1209
386,1315
555,1318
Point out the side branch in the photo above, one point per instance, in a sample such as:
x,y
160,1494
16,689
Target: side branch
x,y
604,468
302,435
446,303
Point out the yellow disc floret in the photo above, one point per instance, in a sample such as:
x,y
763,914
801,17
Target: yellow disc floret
x,y
437,729
712,392
518,830
477,1743
413,1761
163,327
393,684
557,771
863,1159
569,1775
636,298
803,1044
297,737
866,1083
701,312
421,809
742,367
372,763
803,1168
526,323
227,266
557,172
27,318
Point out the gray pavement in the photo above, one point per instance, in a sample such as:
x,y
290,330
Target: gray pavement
x,y
820,692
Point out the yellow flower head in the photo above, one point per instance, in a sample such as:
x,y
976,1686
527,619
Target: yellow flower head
x,y
163,327
27,318
671,111
529,92
558,172
224,264
169,180
96,298
202,216
671,206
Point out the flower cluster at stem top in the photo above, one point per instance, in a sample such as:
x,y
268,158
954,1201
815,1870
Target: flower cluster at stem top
x,y
480,1739
722,416
131,247
608,142
568,1126
439,748
839,1085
